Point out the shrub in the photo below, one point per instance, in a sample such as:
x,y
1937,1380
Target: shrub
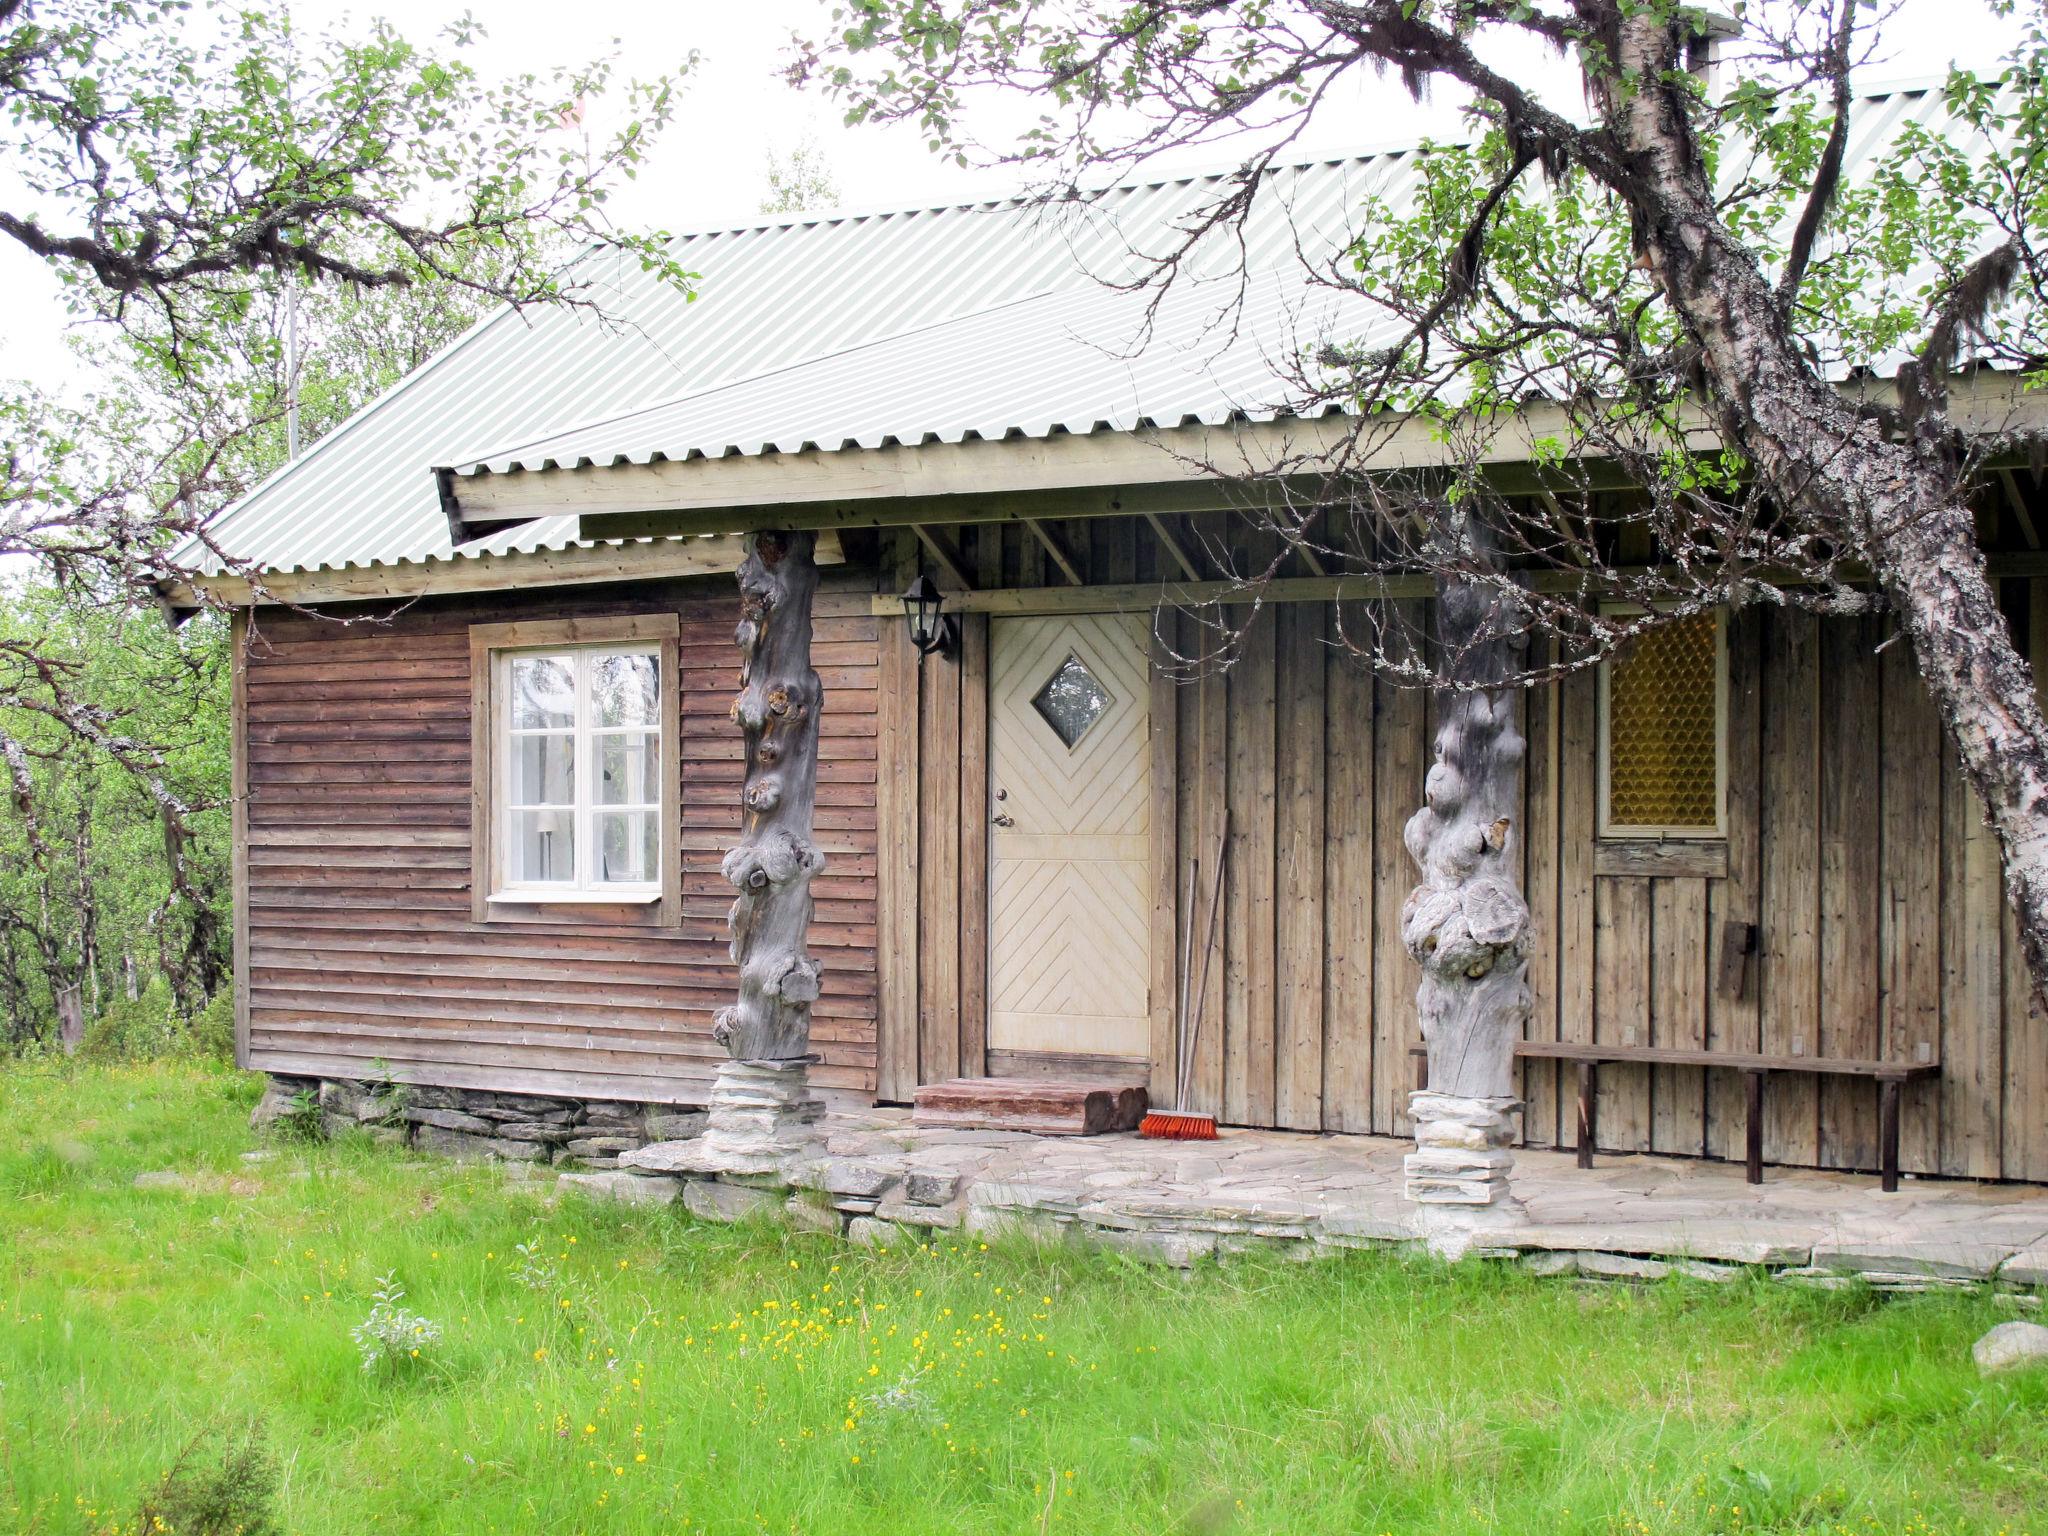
x,y
150,1028
134,1029
393,1334
222,1484
302,1120
212,1029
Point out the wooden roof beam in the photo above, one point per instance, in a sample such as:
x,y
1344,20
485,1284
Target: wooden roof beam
x,y
945,483
656,560
1142,596
1160,531
2018,502
941,549
1056,547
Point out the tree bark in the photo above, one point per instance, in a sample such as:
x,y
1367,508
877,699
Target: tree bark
x,y
1466,925
70,999
761,1102
1895,502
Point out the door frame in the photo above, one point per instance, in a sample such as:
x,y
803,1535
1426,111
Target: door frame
x,y
933,765
1087,1065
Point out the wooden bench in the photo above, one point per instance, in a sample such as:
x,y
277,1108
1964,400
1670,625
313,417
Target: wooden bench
x,y
1889,1076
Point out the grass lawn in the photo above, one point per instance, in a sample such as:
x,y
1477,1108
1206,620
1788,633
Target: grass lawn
x,y
637,1371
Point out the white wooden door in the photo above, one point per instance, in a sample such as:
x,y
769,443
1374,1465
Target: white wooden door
x,y
1070,846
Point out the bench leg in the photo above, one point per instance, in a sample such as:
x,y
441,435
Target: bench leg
x,y
1888,1132
1753,1082
1587,1113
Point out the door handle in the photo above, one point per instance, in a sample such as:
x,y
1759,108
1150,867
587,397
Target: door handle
x,y
1004,819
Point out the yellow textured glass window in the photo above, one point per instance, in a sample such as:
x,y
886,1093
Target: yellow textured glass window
x,y
1663,724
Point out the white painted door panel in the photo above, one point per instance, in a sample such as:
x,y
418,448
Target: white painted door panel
x,y
1070,848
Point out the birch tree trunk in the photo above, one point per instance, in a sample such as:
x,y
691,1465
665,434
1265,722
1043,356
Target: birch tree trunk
x,y
1893,501
1466,924
761,1104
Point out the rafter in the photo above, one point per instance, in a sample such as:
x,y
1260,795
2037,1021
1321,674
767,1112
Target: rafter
x,y
941,549
1171,545
1056,547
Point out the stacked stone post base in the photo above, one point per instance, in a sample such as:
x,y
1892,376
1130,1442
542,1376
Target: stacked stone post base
x,y
761,1121
1461,1155
762,1111
1458,1173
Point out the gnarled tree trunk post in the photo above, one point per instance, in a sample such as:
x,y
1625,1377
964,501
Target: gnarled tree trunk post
x,y
1466,924
761,1107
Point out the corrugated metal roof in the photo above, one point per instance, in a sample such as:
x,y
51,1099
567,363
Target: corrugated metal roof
x,y
1211,351
989,319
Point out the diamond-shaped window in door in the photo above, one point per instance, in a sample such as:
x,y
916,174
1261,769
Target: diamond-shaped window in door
x,y
1071,700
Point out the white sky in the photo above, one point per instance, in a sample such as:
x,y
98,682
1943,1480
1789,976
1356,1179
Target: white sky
x,y
711,166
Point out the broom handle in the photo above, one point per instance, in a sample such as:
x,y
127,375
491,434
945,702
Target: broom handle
x,y
1187,966
1208,950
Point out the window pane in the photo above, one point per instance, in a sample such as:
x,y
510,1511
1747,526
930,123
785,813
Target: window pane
x,y
1071,700
1663,728
543,846
543,770
629,769
628,850
543,692
624,690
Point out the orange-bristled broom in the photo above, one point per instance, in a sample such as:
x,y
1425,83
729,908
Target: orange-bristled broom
x,y
1182,1123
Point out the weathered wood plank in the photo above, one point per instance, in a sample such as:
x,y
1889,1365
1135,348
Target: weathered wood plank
x,y
1680,860
974,815
1298,885
1205,762
1733,910
1972,904
897,800
940,929
1851,860
1678,1013
1348,949
1540,847
1621,1006
1579,757
1790,842
1043,1106
1249,1007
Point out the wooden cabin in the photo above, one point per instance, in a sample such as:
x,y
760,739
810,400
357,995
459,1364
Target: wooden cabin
x,y
485,772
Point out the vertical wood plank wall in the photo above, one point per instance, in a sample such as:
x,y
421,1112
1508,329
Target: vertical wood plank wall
x,y
1853,846
359,940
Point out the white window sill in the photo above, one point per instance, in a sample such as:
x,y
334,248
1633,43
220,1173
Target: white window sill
x,y
628,898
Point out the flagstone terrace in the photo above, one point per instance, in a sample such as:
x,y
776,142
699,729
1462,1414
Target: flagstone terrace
x,y
874,1176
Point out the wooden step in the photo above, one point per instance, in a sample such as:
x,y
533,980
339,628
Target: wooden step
x,y
1049,1106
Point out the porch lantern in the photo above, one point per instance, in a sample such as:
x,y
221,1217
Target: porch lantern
x,y
932,631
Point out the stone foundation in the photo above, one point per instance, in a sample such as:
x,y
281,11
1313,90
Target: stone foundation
x,y
469,1123
872,1177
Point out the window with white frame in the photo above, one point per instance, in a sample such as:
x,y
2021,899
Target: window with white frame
x,y
580,771
1664,732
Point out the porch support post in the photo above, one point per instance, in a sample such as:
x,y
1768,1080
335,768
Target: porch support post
x,y
1467,924
762,1109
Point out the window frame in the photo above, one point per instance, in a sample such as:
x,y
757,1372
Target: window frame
x,y
494,896
1607,829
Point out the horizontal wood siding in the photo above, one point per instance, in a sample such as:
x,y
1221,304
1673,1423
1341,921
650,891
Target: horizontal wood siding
x,y
362,952
1852,847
